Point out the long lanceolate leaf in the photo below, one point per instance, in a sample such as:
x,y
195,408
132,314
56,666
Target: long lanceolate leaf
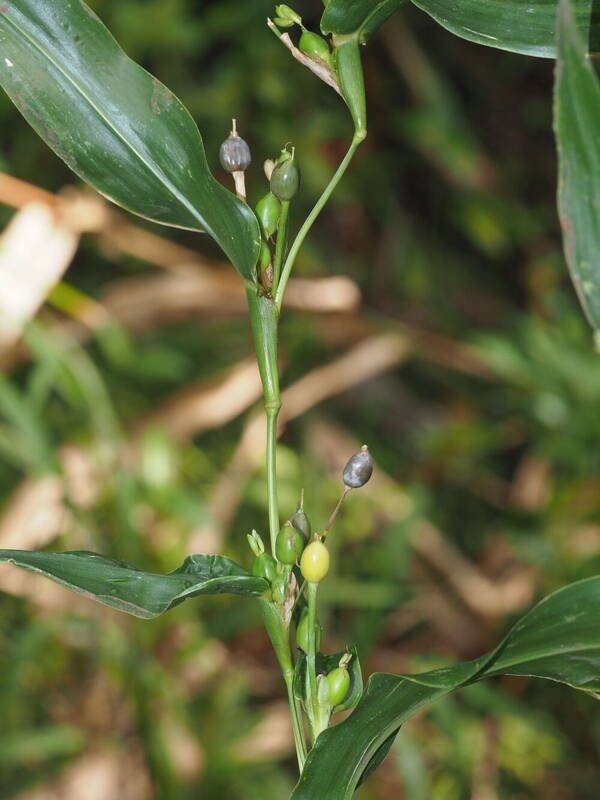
x,y
142,594
357,16
577,126
116,126
523,26
559,640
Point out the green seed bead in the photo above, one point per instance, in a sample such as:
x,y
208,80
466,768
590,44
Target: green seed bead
x,y
265,566
314,564
268,211
338,681
289,545
313,45
302,634
285,180
302,524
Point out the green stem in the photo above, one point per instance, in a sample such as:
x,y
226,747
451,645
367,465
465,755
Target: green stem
x,y
296,722
282,235
264,319
272,413
308,223
311,658
280,639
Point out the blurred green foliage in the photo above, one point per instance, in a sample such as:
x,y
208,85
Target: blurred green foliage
x,y
447,223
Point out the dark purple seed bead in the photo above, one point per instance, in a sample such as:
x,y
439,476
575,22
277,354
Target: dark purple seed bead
x,y
301,522
234,154
359,469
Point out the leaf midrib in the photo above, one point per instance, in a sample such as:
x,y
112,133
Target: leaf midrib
x,y
494,666
537,656
149,166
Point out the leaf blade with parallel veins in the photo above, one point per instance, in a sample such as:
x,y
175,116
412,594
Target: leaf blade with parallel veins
x,y
520,26
117,127
576,124
344,17
559,640
142,594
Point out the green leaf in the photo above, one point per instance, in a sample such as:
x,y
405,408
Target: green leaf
x,y
522,26
116,126
343,17
325,664
559,639
577,122
142,594
378,757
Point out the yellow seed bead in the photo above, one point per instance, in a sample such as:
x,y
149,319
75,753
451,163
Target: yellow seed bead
x,y
314,564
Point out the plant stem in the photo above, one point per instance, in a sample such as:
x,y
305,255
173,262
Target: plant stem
x,y
296,721
264,319
282,235
280,639
272,413
311,658
308,223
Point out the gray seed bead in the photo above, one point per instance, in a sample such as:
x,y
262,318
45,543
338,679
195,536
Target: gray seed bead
x,y
359,469
234,154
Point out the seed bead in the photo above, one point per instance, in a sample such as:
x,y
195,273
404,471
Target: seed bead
x,y
314,564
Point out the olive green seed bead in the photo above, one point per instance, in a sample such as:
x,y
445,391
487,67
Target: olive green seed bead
x,y
285,180
289,545
314,564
